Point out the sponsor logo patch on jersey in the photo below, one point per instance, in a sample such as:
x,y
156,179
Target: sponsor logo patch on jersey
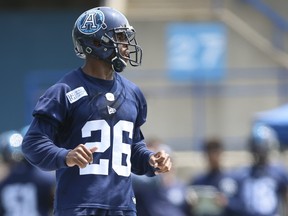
x,y
76,94
91,22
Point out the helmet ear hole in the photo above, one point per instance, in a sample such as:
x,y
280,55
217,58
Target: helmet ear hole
x,y
88,50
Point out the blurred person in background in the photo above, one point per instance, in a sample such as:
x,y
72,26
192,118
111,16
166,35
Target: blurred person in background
x,y
24,190
262,186
163,194
209,191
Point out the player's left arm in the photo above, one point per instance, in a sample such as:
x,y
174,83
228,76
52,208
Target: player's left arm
x,y
146,162
143,160
140,155
161,161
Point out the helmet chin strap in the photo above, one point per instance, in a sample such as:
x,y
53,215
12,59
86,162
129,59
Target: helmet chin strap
x,y
118,64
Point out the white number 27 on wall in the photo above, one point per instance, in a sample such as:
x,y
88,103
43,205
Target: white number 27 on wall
x,y
119,148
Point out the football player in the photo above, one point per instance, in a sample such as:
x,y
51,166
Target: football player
x,y
87,125
210,190
25,190
262,186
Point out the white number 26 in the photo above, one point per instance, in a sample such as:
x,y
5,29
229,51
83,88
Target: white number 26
x,y
119,148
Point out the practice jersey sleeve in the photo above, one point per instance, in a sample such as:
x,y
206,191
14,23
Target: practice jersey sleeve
x,y
54,104
40,150
139,154
38,144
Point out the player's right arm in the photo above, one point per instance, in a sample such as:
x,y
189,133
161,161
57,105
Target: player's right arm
x,y
39,145
39,149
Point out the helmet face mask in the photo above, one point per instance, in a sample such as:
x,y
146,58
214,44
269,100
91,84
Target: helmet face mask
x,y
101,32
126,37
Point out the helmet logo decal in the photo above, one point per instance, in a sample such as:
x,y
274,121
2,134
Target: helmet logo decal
x,y
91,22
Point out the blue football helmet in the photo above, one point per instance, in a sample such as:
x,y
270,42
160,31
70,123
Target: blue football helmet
x,y
10,146
100,31
263,139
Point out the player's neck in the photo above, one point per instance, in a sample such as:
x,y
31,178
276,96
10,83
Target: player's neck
x,y
98,69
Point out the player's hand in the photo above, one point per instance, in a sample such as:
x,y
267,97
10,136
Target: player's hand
x,y
80,156
161,162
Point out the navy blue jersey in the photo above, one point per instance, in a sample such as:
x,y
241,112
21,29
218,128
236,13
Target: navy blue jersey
x,y
27,191
219,179
209,178
260,190
81,109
